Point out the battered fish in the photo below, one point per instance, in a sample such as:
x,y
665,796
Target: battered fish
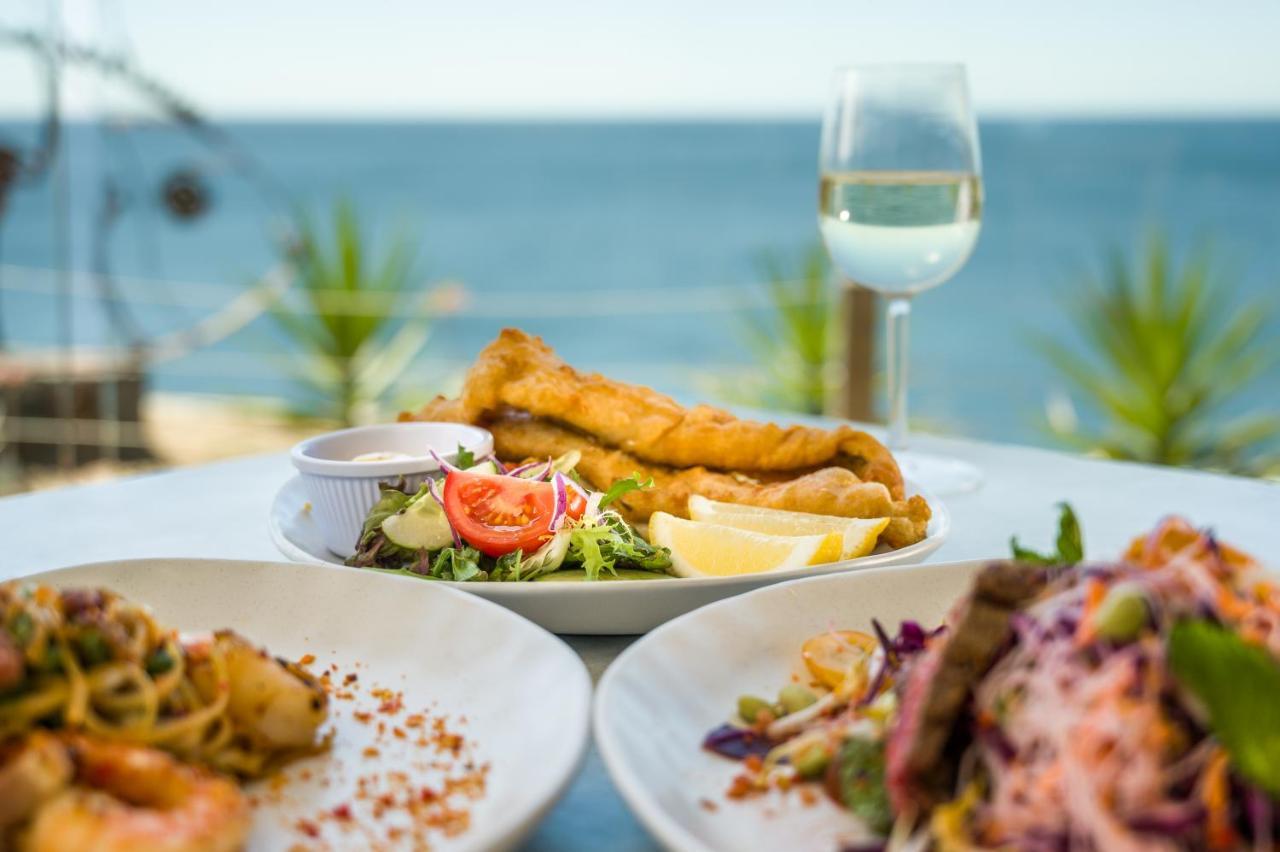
x,y
520,371
519,436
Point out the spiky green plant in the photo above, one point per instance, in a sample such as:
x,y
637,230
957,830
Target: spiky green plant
x,y
1170,347
792,336
351,315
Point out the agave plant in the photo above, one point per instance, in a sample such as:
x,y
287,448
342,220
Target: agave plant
x,y
1171,348
352,316
792,336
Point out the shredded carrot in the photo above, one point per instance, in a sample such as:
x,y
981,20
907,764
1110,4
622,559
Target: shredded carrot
x,y
1215,793
1231,605
1095,590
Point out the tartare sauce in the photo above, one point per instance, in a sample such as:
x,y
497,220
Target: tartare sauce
x,y
381,456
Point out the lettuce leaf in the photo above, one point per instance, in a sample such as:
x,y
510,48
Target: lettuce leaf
x,y
625,486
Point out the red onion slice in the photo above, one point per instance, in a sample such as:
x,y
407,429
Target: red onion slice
x,y
558,482
543,468
447,467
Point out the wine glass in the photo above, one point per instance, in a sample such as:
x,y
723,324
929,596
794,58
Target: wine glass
x,y
899,206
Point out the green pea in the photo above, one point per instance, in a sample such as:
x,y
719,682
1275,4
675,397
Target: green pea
x,y
793,698
750,707
812,761
1123,613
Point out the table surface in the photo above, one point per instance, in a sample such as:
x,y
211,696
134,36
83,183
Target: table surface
x,y
152,516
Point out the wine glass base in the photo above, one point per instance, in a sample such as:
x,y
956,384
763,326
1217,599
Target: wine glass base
x,y
941,475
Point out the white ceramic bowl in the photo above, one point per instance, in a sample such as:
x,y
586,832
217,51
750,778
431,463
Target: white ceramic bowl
x,y
525,714
343,491
662,695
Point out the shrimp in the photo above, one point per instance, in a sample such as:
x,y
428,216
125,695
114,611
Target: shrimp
x,y
273,704
139,799
32,770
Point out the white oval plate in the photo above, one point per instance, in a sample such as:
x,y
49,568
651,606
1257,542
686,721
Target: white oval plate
x,y
662,695
613,607
448,652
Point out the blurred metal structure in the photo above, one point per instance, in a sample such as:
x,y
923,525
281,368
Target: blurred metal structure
x,y
68,406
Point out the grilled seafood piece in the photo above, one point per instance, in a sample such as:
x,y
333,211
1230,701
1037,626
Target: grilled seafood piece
x,y
137,799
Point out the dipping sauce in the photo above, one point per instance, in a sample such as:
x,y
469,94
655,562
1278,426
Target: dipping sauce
x,y
381,457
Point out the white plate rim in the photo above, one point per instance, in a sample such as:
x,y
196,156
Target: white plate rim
x,y
664,828
514,823
939,523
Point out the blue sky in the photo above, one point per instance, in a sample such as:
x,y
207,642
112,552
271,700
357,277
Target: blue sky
x,y
696,58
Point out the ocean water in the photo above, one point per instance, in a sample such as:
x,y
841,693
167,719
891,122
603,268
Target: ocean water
x,y
633,247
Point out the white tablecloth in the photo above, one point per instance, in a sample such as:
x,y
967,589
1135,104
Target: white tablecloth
x,y
220,510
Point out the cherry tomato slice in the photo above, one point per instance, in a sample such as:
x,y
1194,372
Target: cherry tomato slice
x,y
835,656
499,514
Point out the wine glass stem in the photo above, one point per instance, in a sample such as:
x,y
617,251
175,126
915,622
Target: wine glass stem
x,y
898,359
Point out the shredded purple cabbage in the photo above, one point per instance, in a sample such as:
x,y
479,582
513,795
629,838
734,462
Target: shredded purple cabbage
x,y
737,743
911,640
1170,820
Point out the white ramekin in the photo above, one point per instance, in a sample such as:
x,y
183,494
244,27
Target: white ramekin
x,y
343,491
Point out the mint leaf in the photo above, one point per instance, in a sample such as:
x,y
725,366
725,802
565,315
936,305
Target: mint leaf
x,y
1070,542
465,458
1239,685
625,486
1070,539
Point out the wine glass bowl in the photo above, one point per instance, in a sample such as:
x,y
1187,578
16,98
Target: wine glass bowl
x,y
900,208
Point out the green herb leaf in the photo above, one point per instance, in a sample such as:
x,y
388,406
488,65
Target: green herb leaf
x,y
92,647
508,566
625,486
158,662
22,628
465,458
457,564
1239,684
1070,542
859,774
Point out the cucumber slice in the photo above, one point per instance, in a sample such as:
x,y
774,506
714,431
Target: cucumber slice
x,y
484,467
419,526
577,575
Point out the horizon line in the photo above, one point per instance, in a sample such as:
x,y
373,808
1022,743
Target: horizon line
x,y
256,117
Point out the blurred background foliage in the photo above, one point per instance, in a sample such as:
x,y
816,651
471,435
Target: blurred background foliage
x,y
356,315
1168,349
788,325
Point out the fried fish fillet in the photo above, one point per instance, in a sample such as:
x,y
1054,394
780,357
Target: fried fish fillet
x,y
520,371
519,436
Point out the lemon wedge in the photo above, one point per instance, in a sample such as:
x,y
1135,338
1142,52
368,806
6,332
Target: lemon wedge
x,y
858,536
712,550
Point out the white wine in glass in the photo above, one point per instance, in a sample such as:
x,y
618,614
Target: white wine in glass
x,y
899,207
